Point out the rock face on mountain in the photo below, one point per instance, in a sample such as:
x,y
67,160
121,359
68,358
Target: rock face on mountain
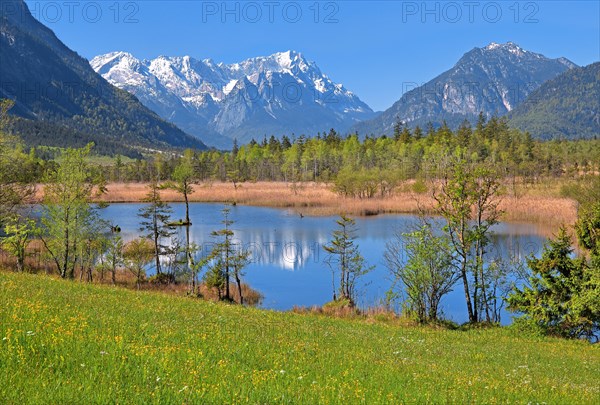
x,y
52,84
275,95
493,80
567,106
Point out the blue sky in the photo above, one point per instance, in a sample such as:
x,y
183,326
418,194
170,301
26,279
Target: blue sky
x,y
376,48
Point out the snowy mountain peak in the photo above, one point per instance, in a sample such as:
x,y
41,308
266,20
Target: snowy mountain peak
x,y
110,60
515,51
492,46
290,59
507,47
282,93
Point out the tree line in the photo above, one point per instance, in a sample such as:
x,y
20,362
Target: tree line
x,y
370,166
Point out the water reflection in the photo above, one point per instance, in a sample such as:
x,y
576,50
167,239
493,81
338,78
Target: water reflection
x,y
288,264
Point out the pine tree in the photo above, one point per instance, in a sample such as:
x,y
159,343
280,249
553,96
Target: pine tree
x,y
398,128
346,259
285,142
156,216
405,135
227,261
464,134
563,295
417,133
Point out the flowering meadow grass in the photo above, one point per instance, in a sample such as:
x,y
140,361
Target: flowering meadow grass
x,y
67,342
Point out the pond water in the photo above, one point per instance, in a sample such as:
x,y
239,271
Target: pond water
x,y
288,263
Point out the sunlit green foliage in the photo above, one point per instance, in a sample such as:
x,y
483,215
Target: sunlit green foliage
x,y
69,221
420,263
352,162
563,293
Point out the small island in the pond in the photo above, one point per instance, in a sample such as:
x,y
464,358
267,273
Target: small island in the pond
x,y
181,222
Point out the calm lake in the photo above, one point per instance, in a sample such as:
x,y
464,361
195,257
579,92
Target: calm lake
x,y
289,264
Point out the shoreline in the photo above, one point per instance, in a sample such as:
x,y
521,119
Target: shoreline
x,y
317,199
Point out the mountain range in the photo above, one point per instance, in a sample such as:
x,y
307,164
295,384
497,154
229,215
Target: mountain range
x,y
493,80
127,105
57,92
283,93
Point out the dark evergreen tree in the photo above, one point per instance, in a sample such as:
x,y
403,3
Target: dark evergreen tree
x,y
563,295
227,261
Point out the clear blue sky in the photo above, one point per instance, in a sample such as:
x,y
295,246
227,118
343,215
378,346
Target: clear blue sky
x,y
373,48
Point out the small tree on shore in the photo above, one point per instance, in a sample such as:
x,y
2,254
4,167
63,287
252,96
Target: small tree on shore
x,y
227,261
183,179
467,198
486,214
138,253
346,259
67,210
18,234
113,256
195,266
91,248
156,216
240,261
428,273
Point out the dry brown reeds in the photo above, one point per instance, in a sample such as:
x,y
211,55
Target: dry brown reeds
x,y
543,207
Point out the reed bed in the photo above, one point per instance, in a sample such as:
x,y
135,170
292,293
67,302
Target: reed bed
x,y
535,205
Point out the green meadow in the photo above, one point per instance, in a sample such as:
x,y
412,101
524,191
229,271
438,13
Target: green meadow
x,y
67,342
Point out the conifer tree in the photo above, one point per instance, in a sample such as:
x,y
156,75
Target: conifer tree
x,y
345,258
227,261
155,216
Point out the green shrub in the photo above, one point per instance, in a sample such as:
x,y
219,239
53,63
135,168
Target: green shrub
x,y
525,326
162,279
419,187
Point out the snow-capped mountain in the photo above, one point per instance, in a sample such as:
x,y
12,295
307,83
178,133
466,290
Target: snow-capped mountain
x,y
493,80
275,95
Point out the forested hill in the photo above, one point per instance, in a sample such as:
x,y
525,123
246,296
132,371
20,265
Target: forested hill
x,y
52,84
567,106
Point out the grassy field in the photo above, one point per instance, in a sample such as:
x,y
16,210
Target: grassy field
x,y
66,342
